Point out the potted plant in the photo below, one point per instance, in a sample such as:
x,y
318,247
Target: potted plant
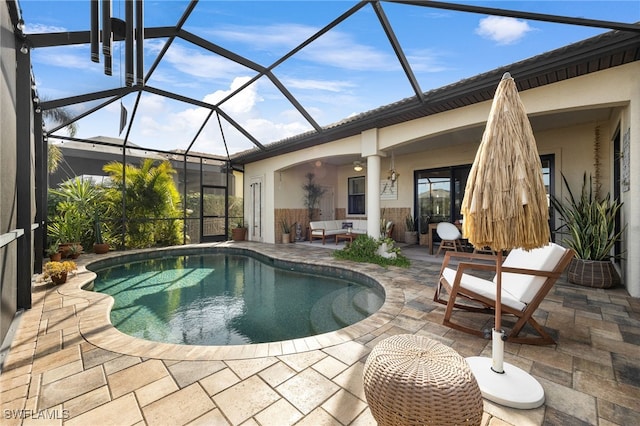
x,y
411,231
99,246
75,250
238,233
312,195
53,251
424,230
589,223
57,271
286,231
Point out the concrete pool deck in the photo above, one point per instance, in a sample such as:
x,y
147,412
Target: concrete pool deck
x,y
68,365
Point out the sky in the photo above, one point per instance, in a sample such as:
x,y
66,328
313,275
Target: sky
x,y
349,70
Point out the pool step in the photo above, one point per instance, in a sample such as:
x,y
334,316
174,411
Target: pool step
x,y
321,318
368,301
354,305
344,307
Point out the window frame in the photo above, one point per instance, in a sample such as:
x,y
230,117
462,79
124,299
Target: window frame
x,y
355,199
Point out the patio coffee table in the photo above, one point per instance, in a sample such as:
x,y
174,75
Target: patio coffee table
x,y
347,236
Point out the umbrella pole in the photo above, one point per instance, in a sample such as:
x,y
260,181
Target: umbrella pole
x,y
497,343
502,382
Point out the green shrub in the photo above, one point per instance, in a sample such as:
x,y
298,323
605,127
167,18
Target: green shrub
x,y
365,249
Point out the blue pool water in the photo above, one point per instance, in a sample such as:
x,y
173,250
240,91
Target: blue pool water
x,y
230,299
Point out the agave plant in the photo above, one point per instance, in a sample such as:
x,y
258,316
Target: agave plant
x,y
589,222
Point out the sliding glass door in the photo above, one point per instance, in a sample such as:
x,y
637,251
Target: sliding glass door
x,y
439,192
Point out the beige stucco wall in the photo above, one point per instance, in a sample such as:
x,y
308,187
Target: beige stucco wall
x,y
572,145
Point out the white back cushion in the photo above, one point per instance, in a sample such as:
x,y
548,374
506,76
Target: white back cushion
x,y
522,286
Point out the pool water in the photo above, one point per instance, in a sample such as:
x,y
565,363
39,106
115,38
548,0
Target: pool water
x,y
229,299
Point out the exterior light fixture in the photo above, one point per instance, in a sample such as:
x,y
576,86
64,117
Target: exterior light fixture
x,y
357,166
24,49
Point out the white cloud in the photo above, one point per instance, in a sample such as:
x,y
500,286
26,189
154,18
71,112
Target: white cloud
x,y
42,28
157,125
503,30
425,60
285,36
340,50
335,48
326,85
198,62
73,57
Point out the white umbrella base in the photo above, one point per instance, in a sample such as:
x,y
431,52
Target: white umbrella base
x,y
514,388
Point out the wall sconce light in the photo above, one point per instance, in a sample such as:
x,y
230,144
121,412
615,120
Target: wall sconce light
x,y
24,49
357,166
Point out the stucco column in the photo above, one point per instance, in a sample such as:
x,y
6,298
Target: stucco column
x,y
632,273
373,195
369,149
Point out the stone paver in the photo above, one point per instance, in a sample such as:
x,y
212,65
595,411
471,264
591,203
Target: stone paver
x,y
245,399
180,407
307,390
67,362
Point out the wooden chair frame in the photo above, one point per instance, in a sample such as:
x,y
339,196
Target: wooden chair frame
x,y
487,304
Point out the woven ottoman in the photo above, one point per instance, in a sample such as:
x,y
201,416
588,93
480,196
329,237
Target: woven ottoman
x,y
413,380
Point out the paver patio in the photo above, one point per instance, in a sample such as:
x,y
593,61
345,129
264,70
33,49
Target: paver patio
x,y
67,365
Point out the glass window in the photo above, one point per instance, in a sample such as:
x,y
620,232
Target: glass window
x,y
440,191
356,194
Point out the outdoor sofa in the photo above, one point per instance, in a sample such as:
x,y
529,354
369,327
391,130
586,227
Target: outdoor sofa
x,y
330,228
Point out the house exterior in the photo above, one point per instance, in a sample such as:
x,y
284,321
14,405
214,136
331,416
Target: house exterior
x,y
583,101
584,106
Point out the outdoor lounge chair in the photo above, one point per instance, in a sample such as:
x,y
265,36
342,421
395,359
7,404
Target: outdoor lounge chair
x,y
450,237
527,277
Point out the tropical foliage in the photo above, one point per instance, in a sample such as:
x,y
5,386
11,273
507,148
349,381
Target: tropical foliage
x,y
364,248
72,207
589,222
58,116
312,195
151,202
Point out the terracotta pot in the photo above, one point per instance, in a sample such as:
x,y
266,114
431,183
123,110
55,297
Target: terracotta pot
x,y
60,278
238,234
101,248
593,273
65,249
56,257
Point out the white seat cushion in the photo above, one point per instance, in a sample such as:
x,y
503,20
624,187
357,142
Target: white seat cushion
x,y
524,287
484,288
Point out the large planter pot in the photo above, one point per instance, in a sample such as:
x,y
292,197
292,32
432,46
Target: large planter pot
x,y
237,234
593,273
286,238
411,237
101,248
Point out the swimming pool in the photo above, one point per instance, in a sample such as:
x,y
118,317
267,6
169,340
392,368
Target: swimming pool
x,y
227,298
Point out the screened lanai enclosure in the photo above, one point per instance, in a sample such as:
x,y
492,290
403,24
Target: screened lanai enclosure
x,y
236,92
165,198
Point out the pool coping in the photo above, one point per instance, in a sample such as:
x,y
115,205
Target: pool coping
x,y
96,328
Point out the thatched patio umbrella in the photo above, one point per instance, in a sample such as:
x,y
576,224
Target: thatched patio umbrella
x,y
505,207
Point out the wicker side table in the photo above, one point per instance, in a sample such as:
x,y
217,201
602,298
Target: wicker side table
x,y
413,380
